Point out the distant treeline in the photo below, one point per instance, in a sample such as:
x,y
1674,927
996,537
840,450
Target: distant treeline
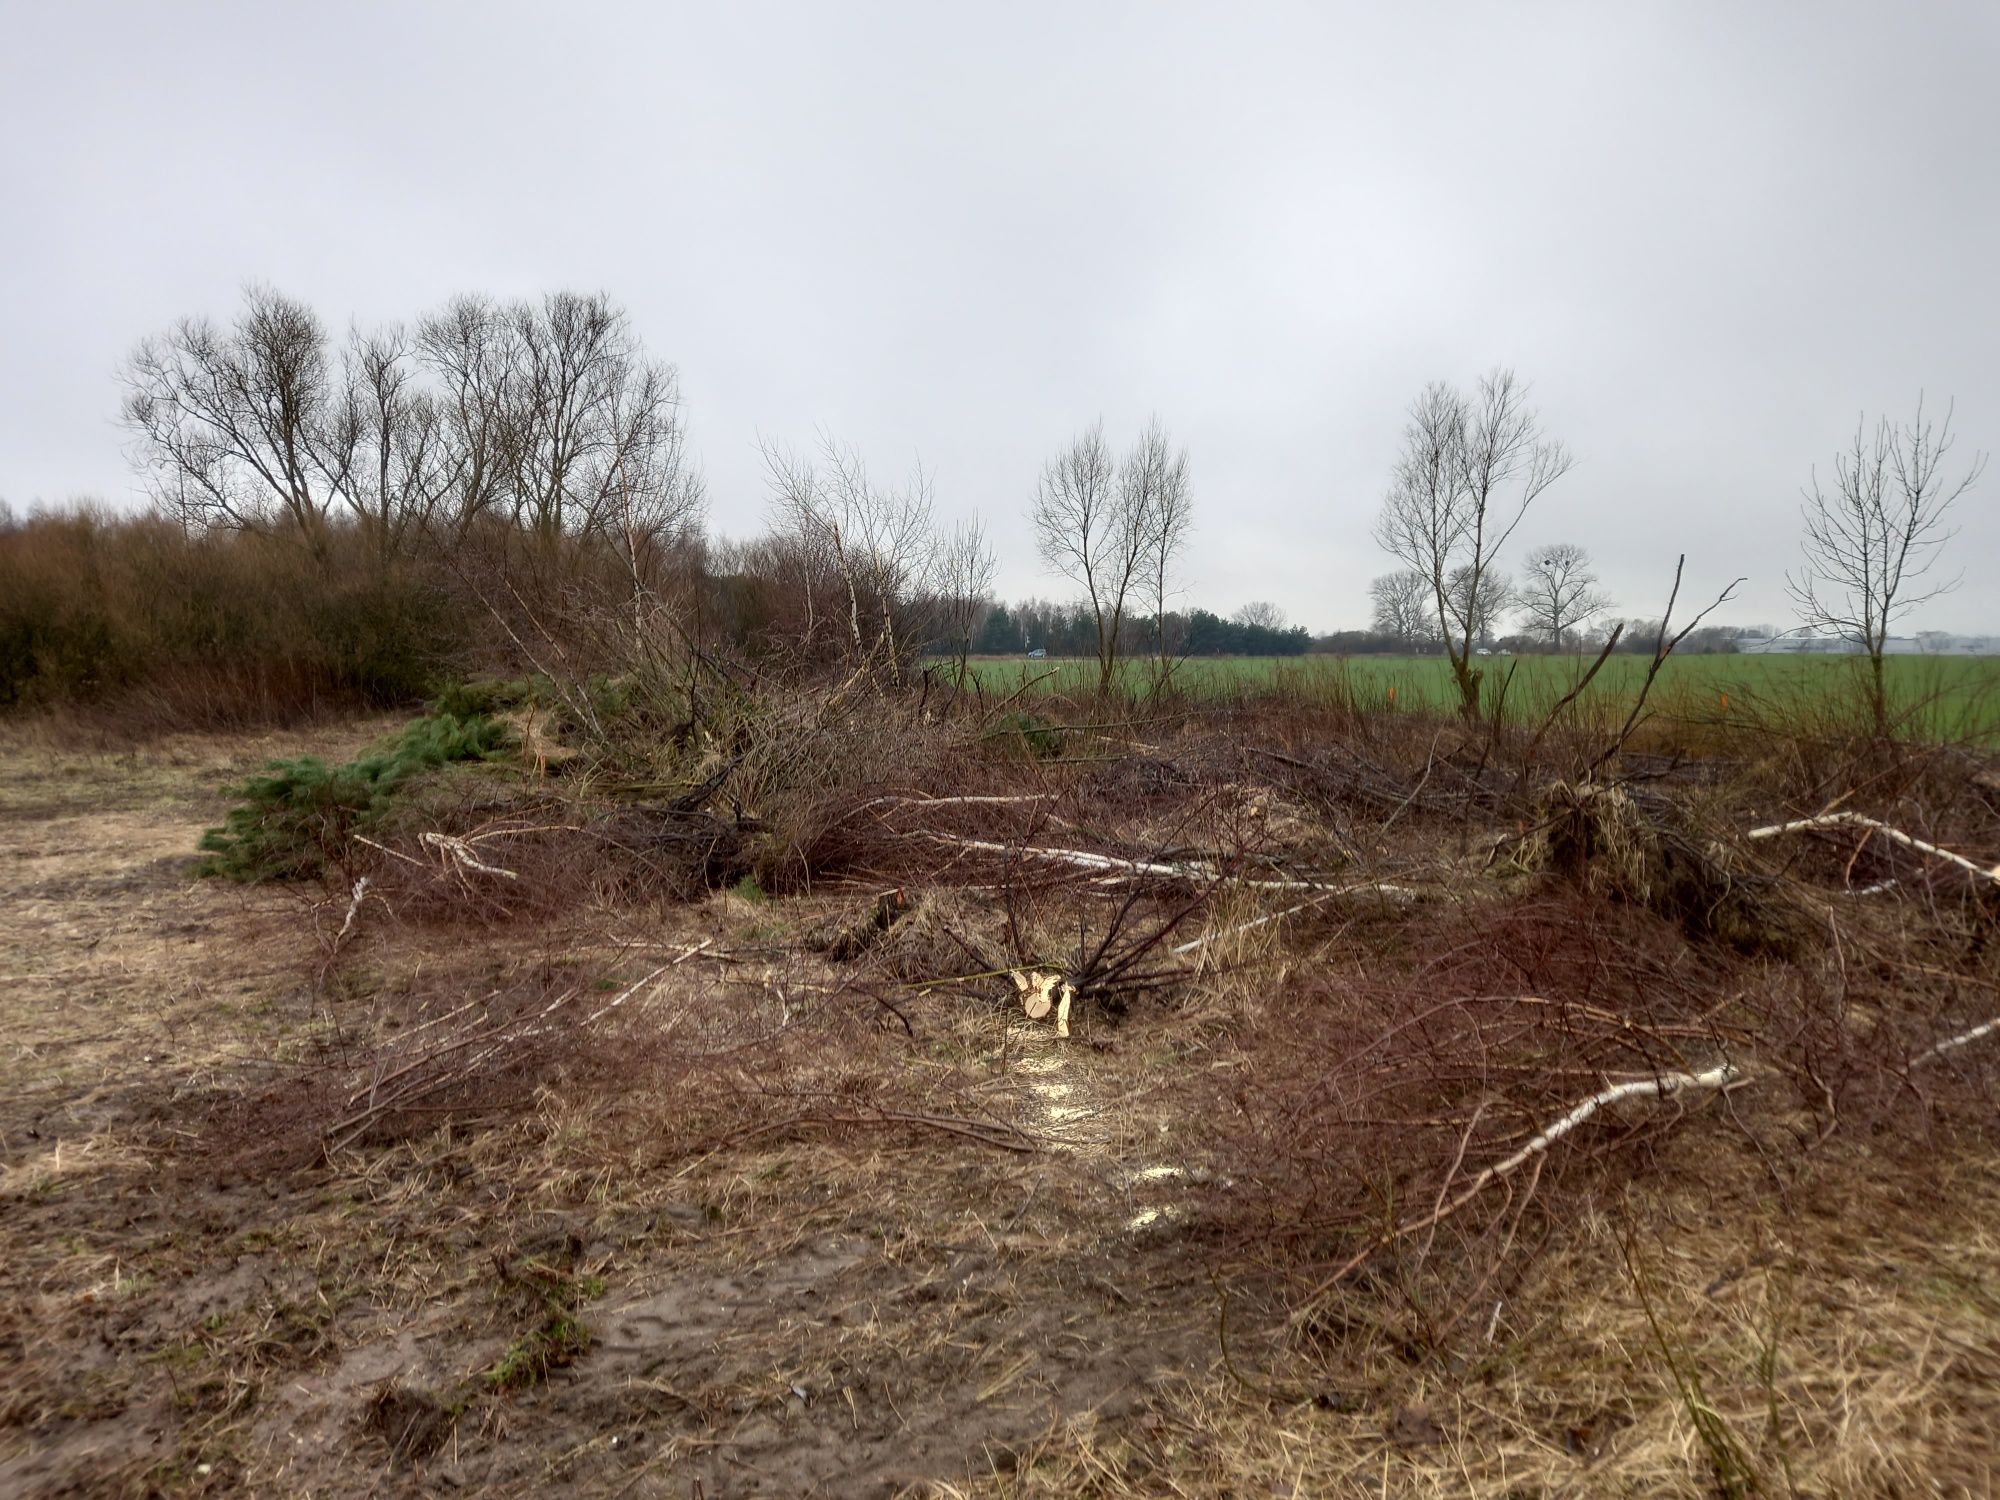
x,y
1070,630
1637,637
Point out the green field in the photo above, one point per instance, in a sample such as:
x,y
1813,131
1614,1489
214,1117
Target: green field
x,y
1944,697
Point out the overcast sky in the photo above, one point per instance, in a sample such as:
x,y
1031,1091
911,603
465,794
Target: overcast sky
x,y
1710,235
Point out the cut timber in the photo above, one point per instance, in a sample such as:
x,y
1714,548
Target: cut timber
x,y
1858,820
1042,991
1035,991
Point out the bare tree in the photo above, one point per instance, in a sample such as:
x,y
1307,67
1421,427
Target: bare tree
x,y
234,424
470,352
549,412
385,444
1871,542
802,554
1404,609
1477,607
1087,532
597,443
1261,614
1471,466
876,542
1158,500
961,581
891,543
1559,592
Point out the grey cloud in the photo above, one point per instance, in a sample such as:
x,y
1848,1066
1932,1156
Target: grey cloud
x,y
1709,234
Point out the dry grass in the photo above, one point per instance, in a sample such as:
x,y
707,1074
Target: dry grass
x,y
1772,1353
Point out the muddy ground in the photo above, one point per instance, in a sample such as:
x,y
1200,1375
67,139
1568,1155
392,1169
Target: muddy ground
x,y
630,1289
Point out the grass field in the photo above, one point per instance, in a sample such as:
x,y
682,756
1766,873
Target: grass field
x,y
1946,697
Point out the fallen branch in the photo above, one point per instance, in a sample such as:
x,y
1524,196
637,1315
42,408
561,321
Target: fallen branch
x,y
1662,1087
426,1074
1666,1086
1081,859
460,853
1952,1044
1277,916
353,911
392,853
1858,820
674,962
1663,647
1874,890
1199,871
1374,887
968,801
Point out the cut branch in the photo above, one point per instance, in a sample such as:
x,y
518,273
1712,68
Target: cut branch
x,y
460,853
1859,820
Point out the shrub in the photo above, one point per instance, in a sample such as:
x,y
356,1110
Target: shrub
x,y
483,697
299,816
213,629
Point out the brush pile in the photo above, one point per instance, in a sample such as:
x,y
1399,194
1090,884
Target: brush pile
x,y
1620,844
1434,994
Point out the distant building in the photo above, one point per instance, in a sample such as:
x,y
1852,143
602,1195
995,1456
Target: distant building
x,y
1937,643
1928,643
1800,645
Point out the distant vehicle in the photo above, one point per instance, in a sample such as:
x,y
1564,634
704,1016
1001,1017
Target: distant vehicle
x,y
1038,653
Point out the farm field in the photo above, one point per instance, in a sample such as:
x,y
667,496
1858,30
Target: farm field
x,y
1951,697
